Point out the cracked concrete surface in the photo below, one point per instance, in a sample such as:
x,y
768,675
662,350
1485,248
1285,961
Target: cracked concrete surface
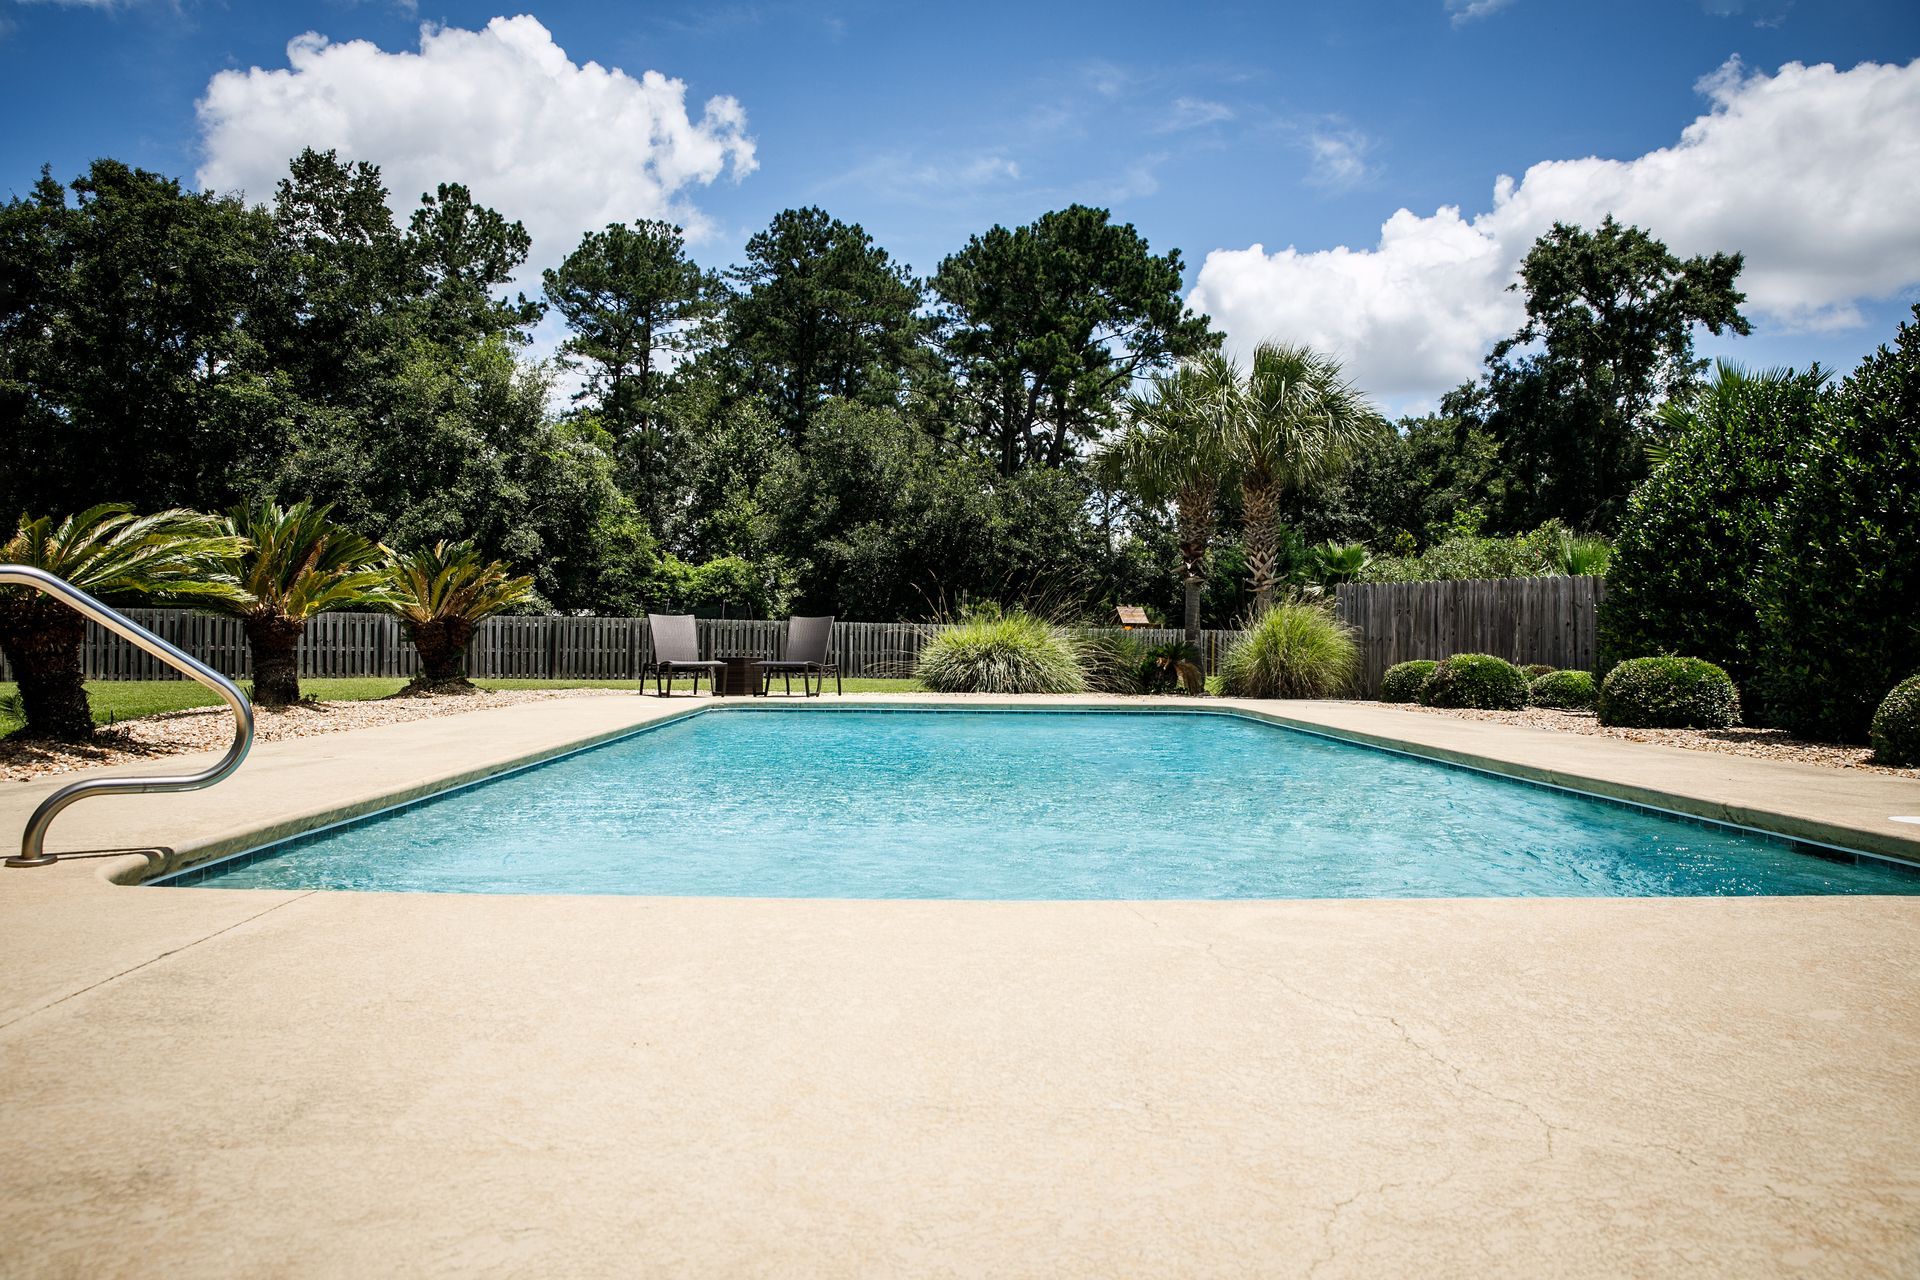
x,y
204,1081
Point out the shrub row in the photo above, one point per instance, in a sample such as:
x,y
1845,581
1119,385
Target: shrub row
x,y
1652,693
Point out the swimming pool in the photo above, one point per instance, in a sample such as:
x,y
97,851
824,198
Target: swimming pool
x,y
1027,805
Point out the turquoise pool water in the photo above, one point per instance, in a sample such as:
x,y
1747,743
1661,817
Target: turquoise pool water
x,y
970,804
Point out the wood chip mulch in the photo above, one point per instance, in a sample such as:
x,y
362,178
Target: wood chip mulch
x,y
1759,744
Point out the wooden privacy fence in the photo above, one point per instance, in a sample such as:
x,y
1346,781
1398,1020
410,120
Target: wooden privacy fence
x,y
1524,620
542,648
1550,620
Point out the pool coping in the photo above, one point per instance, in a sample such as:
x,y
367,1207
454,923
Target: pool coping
x,y
193,862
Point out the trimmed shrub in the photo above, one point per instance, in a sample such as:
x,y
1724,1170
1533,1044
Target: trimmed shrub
x,y
1477,680
1404,680
1292,650
1687,563
1563,690
1839,596
1896,726
1668,693
996,651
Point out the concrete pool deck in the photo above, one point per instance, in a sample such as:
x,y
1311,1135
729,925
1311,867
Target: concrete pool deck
x,y
219,1081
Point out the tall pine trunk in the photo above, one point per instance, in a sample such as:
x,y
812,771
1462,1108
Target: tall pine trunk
x,y
1260,536
442,644
42,639
275,640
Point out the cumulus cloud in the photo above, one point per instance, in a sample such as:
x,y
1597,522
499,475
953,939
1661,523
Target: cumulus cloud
x,y
1812,172
564,147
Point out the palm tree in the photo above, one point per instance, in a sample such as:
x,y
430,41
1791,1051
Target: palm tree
x,y
1299,421
170,557
440,596
1174,450
298,565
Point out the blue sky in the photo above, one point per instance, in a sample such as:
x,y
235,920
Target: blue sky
x,y
1211,127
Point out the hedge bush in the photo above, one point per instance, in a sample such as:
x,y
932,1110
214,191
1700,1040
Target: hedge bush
x,y
1841,593
1291,651
1563,690
1895,733
1688,559
1668,693
1477,680
1404,680
997,651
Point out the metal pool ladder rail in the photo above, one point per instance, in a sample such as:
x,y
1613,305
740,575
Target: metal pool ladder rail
x,y
33,841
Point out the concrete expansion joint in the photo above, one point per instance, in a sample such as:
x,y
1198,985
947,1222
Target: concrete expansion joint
x,y
145,964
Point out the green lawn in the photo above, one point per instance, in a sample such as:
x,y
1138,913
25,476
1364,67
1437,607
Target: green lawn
x,y
129,699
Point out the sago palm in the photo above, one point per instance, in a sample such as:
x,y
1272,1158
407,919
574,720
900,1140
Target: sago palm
x,y
1174,451
441,595
170,557
298,564
1299,421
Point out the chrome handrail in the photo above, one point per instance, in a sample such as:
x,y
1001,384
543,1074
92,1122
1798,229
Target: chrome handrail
x,y
33,851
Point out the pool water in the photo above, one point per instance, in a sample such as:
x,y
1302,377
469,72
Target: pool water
x,y
1027,805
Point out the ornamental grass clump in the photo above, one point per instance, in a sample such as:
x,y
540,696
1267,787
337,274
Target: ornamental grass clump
x,y
1404,680
1668,693
1564,690
1896,726
1293,650
1479,681
1002,651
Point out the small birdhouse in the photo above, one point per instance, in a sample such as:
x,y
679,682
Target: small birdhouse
x,y
1131,616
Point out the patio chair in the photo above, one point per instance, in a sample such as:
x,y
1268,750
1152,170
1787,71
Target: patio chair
x,y
807,641
676,648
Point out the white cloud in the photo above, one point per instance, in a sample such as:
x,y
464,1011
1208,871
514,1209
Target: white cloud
x,y
1813,173
1339,157
1193,113
564,147
1464,11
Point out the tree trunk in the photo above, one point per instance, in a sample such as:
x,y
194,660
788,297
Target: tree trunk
x,y
1193,521
443,655
274,640
1260,519
42,639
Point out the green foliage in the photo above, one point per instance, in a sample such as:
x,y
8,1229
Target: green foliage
x,y
1840,595
726,586
168,558
1173,667
1668,692
1895,732
1002,651
1563,690
1477,680
1535,670
632,301
1698,532
1293,650
1570,397
1050,323
1298,421
820,312
298,563
1549,551
1404,681
1174,453
449,581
